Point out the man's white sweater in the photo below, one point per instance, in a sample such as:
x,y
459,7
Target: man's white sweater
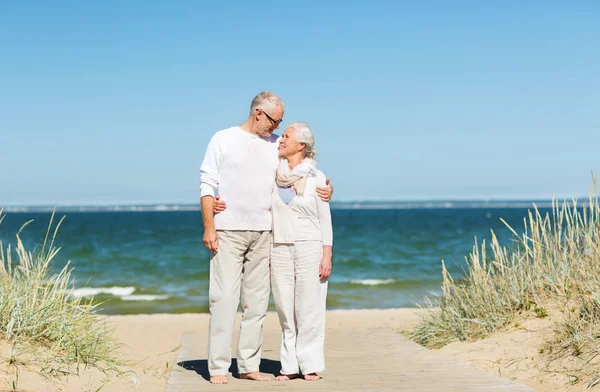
x,y
240,167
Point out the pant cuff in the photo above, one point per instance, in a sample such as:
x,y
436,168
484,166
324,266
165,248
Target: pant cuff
x,y
313,370
288,372
243,370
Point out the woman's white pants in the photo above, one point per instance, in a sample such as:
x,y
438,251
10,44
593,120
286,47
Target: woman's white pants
x,y
300,299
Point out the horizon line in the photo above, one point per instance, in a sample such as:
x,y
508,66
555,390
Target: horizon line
x,y
345,201
335,205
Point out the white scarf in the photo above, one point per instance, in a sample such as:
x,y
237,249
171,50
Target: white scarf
x,y
295,178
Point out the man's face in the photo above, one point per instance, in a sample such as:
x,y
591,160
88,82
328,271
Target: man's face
x,y
269,120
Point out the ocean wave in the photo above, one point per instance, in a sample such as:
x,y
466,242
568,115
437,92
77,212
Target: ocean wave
x,y
142,297
92,291
123,293
372,282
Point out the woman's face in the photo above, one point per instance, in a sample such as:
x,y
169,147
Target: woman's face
x,y
288,145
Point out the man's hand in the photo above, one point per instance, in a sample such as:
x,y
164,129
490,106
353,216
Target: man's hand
x,y
211,240
219,206
325,267
325,192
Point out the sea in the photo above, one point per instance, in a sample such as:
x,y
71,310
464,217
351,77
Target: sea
x,y
150,259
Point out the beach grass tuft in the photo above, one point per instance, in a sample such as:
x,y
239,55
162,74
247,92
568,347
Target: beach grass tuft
x,y
43,323
553,264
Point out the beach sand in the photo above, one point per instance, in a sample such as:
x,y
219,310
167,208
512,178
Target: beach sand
x,y
150,343
514,353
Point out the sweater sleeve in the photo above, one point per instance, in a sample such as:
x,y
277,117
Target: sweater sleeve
x,y
210,169
324,214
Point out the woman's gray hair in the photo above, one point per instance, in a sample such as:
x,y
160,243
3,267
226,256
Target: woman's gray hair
x,y
304,135
266,100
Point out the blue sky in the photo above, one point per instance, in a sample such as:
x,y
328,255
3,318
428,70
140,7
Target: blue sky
x,y
114,102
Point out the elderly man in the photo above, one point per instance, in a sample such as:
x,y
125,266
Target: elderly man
x,y
240,164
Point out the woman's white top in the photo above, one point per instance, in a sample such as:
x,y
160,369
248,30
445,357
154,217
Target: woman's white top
x,y
304,218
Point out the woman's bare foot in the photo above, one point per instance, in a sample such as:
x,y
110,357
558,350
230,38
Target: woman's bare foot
x,y
287,377
256,376
218,380
312,377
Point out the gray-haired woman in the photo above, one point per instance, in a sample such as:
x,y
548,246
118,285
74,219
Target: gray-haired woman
x,y
300,254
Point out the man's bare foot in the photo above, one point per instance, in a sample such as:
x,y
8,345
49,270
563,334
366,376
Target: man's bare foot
x,y
218,380
312,377
256,376
287,377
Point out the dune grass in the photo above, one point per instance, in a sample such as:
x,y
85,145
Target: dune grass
x,y
554,263
43,323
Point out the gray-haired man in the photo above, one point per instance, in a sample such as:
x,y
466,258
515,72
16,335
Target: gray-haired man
x,y
240,165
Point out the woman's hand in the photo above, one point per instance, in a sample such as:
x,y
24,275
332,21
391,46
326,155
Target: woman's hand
x,y
219,206
325,268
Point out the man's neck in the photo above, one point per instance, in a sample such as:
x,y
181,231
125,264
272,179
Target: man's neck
x,y
247,126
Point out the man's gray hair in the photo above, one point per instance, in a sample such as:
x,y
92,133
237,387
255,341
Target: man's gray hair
x,y
304,135
266,100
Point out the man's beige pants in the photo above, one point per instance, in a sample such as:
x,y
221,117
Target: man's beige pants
x,y
300,299
242,261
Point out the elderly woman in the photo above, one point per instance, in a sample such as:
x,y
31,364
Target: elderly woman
x,y
300,254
